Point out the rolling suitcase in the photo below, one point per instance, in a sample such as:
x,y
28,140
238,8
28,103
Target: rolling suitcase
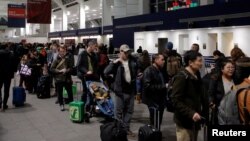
x,y
151,132
19,95
76,109
43,87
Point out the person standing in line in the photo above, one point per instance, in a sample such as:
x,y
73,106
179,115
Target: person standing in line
x,y
155,88
87,70
144,61
139,50
124,72
61,68
6,74
242,65
196,47
188,99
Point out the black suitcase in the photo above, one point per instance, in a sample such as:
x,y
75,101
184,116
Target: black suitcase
x,y
43,87
151,132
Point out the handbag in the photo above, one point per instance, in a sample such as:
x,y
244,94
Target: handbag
x,y
25,70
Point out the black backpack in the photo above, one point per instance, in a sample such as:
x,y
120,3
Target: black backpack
x,y
113,131
169,103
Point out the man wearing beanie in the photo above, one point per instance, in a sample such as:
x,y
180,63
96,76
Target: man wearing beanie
x,y
173,62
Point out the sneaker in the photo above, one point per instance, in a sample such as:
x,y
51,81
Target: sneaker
x,y
62,108
131,134
57,101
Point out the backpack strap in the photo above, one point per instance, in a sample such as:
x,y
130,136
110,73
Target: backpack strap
x,y
246,112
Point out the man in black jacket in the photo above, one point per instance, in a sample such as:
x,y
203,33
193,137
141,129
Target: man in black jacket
x,y
87,69
188,98
154,91
124,72
6,74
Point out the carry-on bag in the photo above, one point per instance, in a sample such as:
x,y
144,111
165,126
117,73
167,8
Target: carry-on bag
x,y
113,131
151,132
76,108
19,95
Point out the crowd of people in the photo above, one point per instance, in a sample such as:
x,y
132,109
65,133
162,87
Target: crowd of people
x,y
166,79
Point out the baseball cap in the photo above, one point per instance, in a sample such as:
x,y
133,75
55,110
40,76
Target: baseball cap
x,y
124,48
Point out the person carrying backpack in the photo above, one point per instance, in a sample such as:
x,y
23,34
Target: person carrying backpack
x,y
173,61
188,99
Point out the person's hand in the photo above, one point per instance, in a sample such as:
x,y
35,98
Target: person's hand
x,y
63,71
89,72
166,85
212,105
196,117
212,66
117,60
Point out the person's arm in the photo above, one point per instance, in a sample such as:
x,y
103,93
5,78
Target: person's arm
x,y
110,69
212,91
53,68
177,96
148,85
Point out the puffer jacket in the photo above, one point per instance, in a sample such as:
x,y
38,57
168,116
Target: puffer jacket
x,y
68,65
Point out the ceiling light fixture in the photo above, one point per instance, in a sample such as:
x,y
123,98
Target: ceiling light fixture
x,y
94,10
68,13
86,8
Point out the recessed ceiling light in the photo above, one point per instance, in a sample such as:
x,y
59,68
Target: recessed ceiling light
x,y
86,8
100,13
112,6
94,14
68,13
94,10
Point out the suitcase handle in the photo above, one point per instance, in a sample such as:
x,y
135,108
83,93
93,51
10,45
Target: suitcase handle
x,y
78,82
156,118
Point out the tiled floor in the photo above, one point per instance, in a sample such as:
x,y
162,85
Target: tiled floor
x,y
42,120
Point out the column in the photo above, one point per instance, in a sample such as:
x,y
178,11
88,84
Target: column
x,y
120,9
144,7
44,29
82,16
106,13
65,21
52,25
132,7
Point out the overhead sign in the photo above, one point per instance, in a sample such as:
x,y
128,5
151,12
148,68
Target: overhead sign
x,y
16,15
39,11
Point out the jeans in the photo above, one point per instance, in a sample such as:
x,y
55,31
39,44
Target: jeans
x,y
6,82
124,108
68,87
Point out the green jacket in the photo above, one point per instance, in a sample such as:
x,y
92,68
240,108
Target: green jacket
x,y
188,99
68,64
